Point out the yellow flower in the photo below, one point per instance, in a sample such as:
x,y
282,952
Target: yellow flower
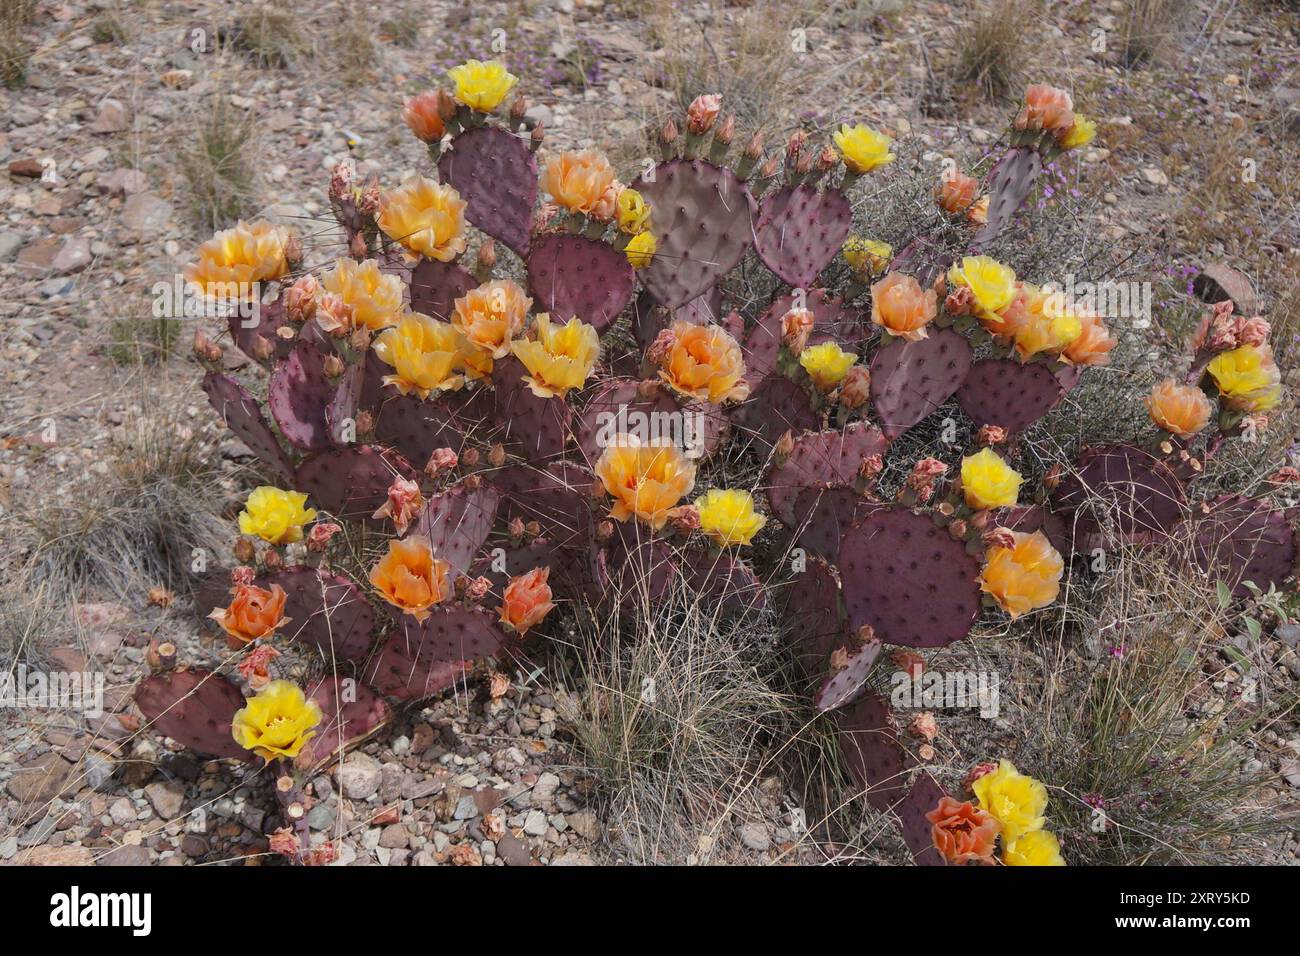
x,y
867,256
1024,576
645,480
863,148
578,181
425,217
640,250
375,297
276,722
1038,848
426,355
233,259
560,358
705,362
988,481
491,315
992,285
827,364
1040,322
1016,801
274,515
728,517
482,85
1083,132
1247,378
633,213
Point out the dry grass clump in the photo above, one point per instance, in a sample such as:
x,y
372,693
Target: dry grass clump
x,y
216,156
15,44
354,52
990,51
1145,725
674,711
142,524
1148,28
270,35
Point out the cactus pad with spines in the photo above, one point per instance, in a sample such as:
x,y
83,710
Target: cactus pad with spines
x,y
350,714
832,320
918,833
799,231
821,459
556,496
911,380
846,685
1009,184
702,218
496,174
458,522
871,750
435,287
194,708
1009,394
777,406
572,276
1238,540
406,670
299,394
325,611
351,482
453,632
909,580
531,426
242,416
1119,493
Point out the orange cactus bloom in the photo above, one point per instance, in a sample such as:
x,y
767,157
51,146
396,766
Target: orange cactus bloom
x,y
705,362
1181,410
409,577
1047,108
899,305
422,117
491,315
373,298
579,182
645,480
1024,576
238,257
956,193
527,600
427,218
963,832
1093,345
253,613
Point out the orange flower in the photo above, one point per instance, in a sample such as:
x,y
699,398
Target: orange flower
x,y
899,305
645,480
1047,108
253,613
704,362
232,259
491,315
527,600
1024,576
1093,345
421,114
370,297
1182,410
956,194
411,578
578,181
962,832
425,217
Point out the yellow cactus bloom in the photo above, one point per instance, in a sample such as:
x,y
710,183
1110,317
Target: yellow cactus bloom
x,y
560,358
1037,848
1181,410
491,315
1247,378
1083,132
482,85
275,515
578,181
989,482
705,362
1024,576
229,262
375,297
640,250
645,480
633,212
728,517
277,722
427,218
992,284
1016,801
426,355
863,148
867,256
1039,322
827,364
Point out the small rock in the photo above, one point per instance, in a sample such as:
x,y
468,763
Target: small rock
x,y
755,836
122,812
73,257
145,213
535,823
113,117
358,776
126,856
166,798
30,168
394,837
1155,176
1291,772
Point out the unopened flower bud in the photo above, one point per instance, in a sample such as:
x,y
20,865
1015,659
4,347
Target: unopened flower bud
x,y
446,106
991,435
785,444
533,529
754,148
726,130
957,529
516,529
300,299
604,531
796,326
703,112
871,466
856,389
827,159
661,347
473,482
361,338
517,110
684,518
470,457
244,551
365,421
262,348
668,134
357,246
769,168
333,366
998,538
487,256
241,575
496,455
442,459
647,388
478,588
318,537
293,251
272,560
536,136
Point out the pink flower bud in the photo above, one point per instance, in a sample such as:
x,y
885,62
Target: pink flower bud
x,y
703,112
